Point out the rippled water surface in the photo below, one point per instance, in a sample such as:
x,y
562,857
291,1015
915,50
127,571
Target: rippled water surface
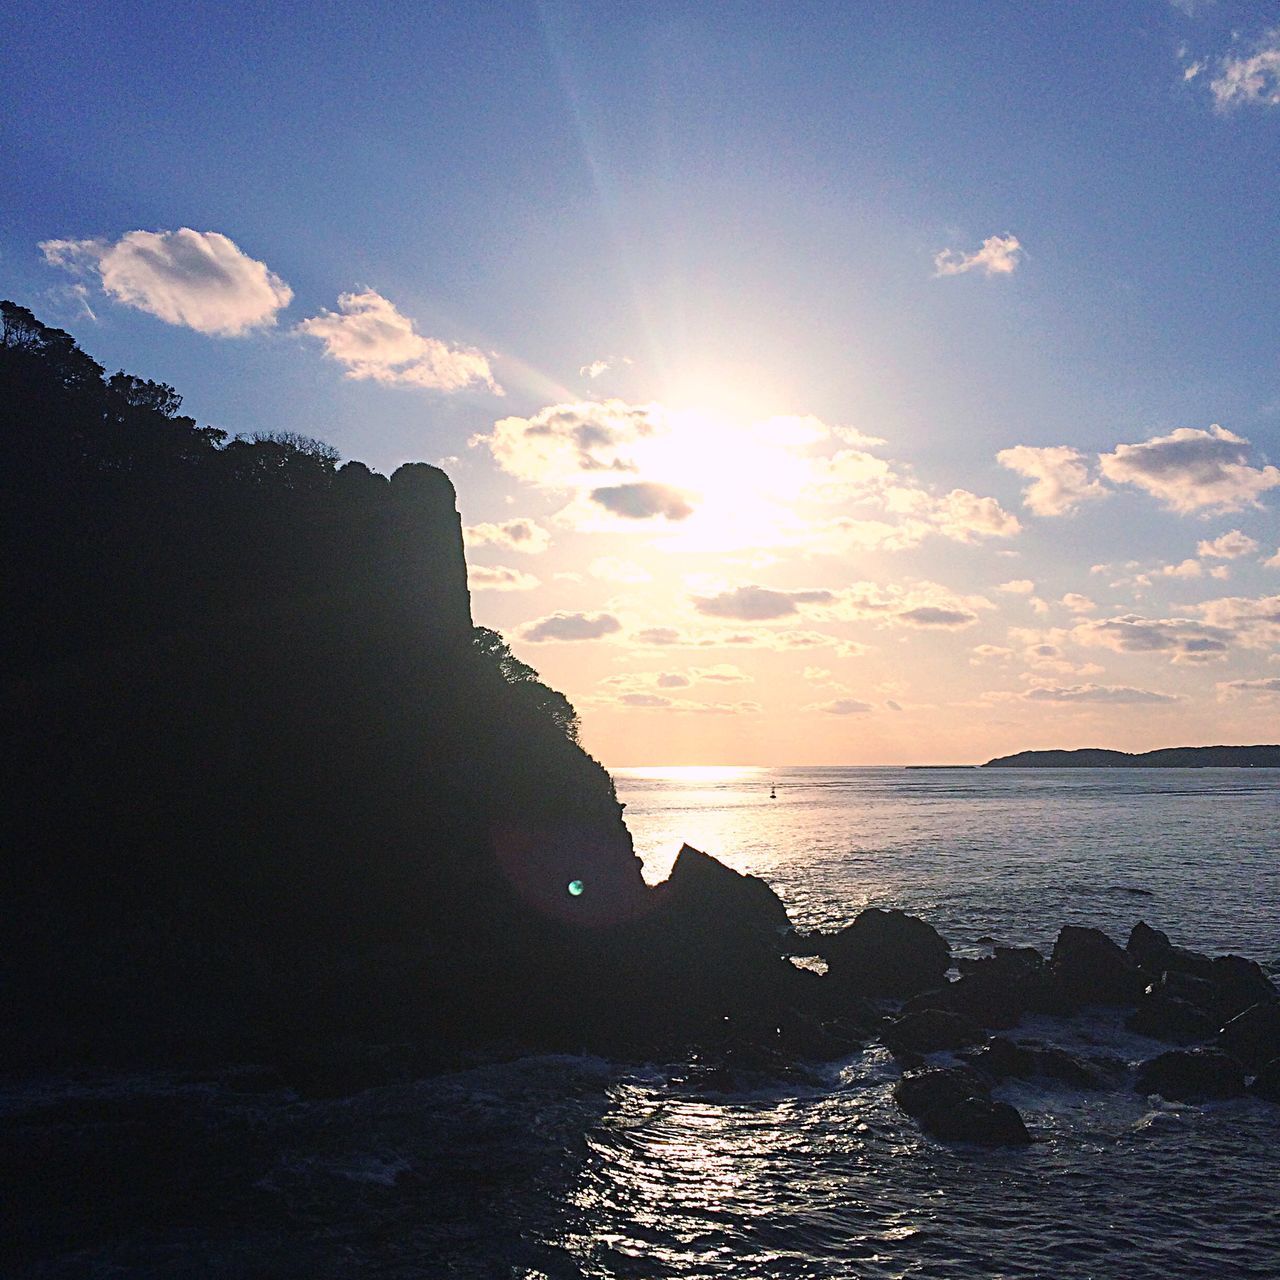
x,y
552,1167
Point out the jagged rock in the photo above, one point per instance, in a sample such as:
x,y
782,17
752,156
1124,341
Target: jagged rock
x,y
731,902
1266,1083
1091,969
1195,991
1240,983
1148,946
1254,1035
1192,1075
938,1088
977,1120
930,1030
805,1036
996,991
887,953
1165,1017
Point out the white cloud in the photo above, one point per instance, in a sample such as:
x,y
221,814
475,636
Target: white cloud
x,y
519,534
989,653
198,279
1183,569
571,626
928,615
1059,475
999,256
757,604
1273,562
1253,621
481,577
1251,81
1184,640
1231,546
1192,470
1017,587
1103,693
964,517
598,367
841,707
374,340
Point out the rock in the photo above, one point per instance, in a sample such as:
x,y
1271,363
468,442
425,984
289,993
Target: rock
x,y
1002,1058
731,902
1148,946
1091,969
930,1030
1254,1035
1240,983
1192,964
887,953
937,1089
1165,1017
1266,1083
977,1120
1195,991
1192,1075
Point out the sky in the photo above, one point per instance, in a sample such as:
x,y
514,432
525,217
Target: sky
x,y
853,384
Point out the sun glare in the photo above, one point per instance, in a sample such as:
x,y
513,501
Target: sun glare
x,y
691,773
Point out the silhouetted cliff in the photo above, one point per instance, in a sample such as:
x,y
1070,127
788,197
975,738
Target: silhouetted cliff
x,y
1260,757
265,782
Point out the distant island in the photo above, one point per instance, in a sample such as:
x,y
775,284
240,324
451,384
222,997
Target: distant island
x,y
1261,757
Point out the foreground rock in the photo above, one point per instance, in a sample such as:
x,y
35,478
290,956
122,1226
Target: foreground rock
x,y
978,1120
1267,1082
1192,1075
1000,1058
887,953
1091,969
929,1031
997,991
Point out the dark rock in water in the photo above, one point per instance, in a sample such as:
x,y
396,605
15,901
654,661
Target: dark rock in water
x,y
977,1120
1241,983
1254,1035
1195,991
887,953
1192,964
937,1089
805,1036
700,885
930,1030
1165,1017
1192,1075
1091,969
1002,1058
998,990
1148,946
1266,1083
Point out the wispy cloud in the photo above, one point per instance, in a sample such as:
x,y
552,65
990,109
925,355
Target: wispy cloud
x,y
999,256
1097,693
644,500
571,626
1250,81
758,604
372,339
1060,477
520,534
197,279
482,577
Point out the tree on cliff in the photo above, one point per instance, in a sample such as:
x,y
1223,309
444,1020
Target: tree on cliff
x,y
494,650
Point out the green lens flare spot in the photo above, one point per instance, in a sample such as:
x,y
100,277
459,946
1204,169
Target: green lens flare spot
x,y
575,888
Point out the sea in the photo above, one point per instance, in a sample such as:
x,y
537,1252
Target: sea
x,y
557,1167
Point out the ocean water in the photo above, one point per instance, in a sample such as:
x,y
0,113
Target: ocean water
x,y
560,1167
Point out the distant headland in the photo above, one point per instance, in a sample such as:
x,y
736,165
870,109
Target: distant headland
x,y
1260,757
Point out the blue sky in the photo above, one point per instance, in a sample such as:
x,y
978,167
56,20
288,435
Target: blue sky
x,y
970,233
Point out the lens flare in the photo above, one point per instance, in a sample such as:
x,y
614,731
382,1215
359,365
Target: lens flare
x,y
575,888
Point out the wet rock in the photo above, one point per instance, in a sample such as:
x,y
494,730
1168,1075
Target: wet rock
x,y
1091,969
1165,1017
887,953
1266,1084
1194,991
937,1089
703,888
805,1036
1254,1035
977,1120
930,1030
1002,1058
1192,1075
1240,983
